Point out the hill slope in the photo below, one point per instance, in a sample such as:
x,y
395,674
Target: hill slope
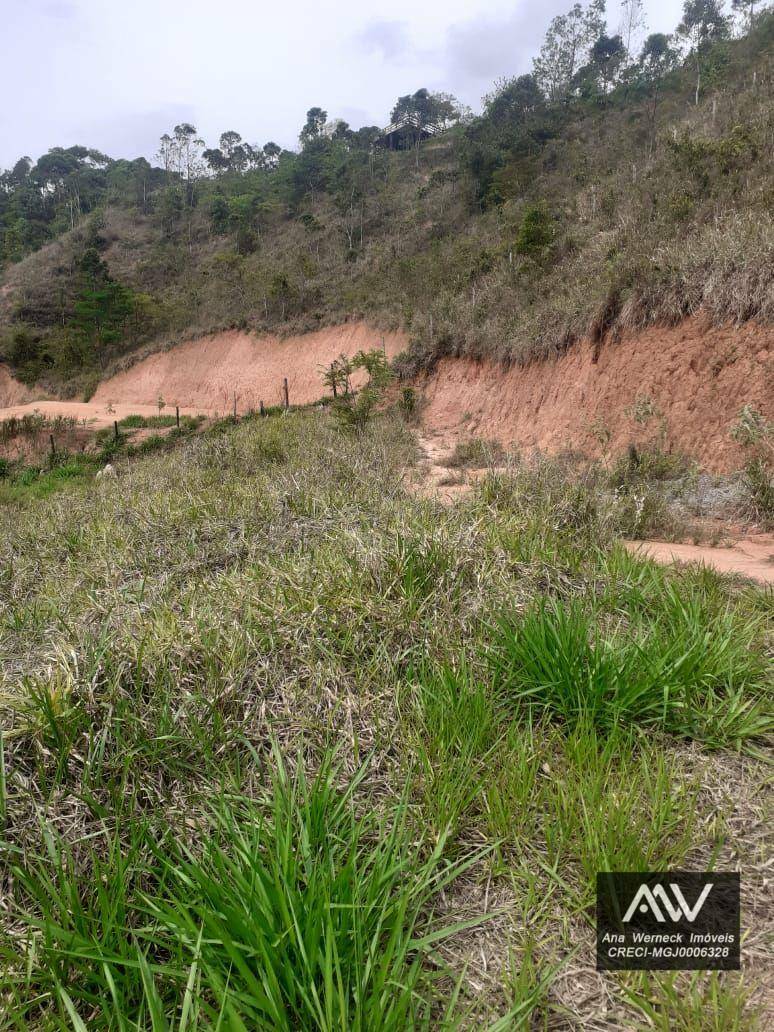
x,y
508,237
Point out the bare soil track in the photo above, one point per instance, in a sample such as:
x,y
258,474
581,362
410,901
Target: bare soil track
x,y
747,555
751,556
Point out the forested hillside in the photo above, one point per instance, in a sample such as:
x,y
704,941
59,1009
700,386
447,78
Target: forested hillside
x,y
611,188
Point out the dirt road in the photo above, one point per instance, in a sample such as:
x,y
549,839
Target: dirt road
x,y
206,375
749,555
91,414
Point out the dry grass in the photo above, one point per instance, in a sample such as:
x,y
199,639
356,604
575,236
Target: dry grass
x,y
272,582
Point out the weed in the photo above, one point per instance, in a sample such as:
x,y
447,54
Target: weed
x,y
699,1002
757,435
292,912
455,734
675,670
476,453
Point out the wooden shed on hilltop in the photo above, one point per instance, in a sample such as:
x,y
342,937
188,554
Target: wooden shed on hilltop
x,y
406,132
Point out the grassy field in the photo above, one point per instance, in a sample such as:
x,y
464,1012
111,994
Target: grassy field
x,y
285,746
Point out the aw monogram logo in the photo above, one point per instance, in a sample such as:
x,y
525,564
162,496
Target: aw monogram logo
x,y
668,921
649,899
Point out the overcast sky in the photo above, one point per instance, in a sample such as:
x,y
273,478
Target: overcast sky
x,y
116,74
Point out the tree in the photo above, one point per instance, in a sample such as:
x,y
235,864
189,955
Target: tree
x,y
216,159
424,109
536,232
341,131
103,307
219,213
17,175
632,25
233,154
271,152
364,137
238,154
314,125
229,141
657,59
703,24
566,46
746,8
182,156
513,100
188,148
337,375
606,58
166,153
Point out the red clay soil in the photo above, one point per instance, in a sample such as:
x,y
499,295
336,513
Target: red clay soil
x,y
695,380
206,373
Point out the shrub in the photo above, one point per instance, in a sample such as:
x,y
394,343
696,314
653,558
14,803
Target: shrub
x,y
536,231
759,484
407,403
355,412
475,453
640,466
139,422
756,435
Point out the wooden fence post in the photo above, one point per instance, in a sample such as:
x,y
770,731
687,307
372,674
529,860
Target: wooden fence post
x,y
261,409
177,416
235,410
285,391
115,429
53,446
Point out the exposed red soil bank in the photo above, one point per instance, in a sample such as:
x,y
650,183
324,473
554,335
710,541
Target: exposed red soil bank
x,y
205,374
11,391
693,381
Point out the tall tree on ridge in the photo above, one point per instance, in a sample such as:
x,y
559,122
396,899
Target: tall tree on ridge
x,y
566,47
632,25
657,59
703,24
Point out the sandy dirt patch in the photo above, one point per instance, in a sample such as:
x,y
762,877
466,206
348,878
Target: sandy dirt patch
x,y
748,555
682,386
91,414
435,479
205,374
751,556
